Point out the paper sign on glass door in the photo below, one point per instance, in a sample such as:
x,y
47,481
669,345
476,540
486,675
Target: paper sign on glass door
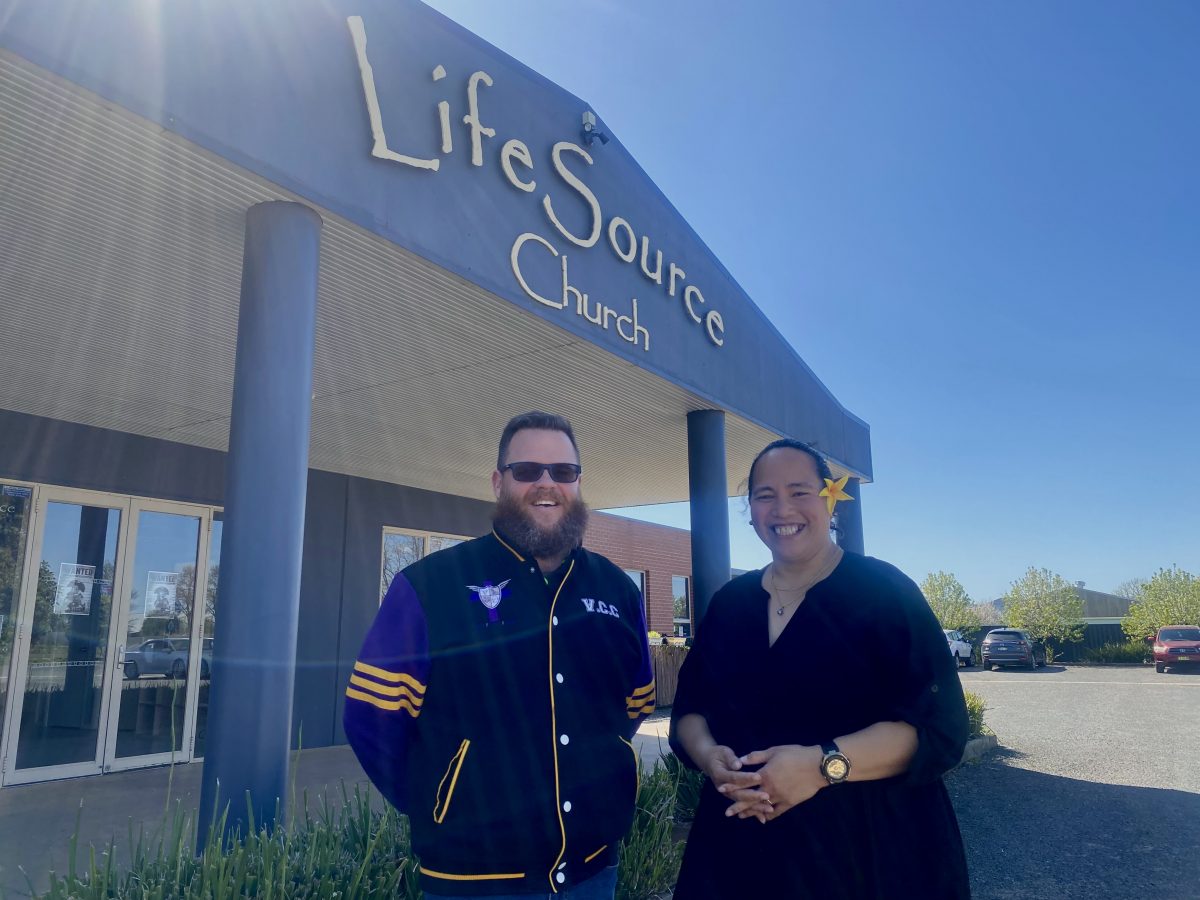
x,y
160,595
74,596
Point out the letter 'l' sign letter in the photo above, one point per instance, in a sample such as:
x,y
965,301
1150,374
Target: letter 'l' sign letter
x,y
380,148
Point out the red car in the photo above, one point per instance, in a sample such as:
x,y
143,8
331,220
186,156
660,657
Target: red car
x,y
1175,645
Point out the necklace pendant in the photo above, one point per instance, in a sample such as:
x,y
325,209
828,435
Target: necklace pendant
x,y
779,612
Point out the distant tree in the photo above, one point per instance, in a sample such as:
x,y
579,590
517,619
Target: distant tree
x,y
1170,597
1046,605
399,551
1130,588
45,620
13,530
988,613
949,601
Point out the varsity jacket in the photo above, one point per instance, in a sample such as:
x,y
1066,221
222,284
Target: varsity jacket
x,y
497,708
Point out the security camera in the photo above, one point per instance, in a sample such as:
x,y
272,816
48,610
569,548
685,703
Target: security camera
x,y
590,134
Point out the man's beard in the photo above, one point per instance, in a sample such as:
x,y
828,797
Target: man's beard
x,y
513,518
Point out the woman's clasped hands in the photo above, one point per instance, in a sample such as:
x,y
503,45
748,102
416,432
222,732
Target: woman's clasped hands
x,y
783,777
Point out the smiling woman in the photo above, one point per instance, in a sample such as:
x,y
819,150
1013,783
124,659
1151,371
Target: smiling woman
x,y
830,792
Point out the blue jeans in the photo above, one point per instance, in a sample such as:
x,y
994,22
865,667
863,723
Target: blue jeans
x,y
601,886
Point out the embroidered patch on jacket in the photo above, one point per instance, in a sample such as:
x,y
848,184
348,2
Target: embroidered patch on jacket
x,y
599,606
490,596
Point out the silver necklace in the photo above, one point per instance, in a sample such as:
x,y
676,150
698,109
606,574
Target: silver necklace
x,y
825,570
780,590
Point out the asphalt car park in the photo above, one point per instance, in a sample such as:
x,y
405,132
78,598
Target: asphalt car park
x,y
1095,791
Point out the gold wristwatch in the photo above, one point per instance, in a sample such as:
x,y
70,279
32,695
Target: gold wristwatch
x,y
834,764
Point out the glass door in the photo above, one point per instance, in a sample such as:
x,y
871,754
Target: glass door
x,y
106,622
16,514
64,648
162,656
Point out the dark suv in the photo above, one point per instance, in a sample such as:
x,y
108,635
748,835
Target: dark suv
x,y
1012,647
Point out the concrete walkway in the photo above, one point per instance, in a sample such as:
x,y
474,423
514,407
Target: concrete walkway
x,y
37,820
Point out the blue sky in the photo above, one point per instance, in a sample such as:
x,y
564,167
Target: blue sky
x,y
978,223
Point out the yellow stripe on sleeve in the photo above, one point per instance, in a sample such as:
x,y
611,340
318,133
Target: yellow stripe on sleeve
x,y
644,689
387,690
389,705
394,677
645,710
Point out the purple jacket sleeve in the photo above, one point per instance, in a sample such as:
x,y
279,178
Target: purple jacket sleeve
x,y
639,702
387,690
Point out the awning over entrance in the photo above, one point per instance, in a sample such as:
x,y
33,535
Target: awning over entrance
x,y
128,175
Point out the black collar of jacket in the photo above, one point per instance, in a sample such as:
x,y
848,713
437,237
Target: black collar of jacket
x,y
523,555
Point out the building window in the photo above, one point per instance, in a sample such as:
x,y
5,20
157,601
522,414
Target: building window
x,y
402,547
681,592
638,577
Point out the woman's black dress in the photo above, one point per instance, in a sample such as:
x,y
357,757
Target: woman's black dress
x,y
863,647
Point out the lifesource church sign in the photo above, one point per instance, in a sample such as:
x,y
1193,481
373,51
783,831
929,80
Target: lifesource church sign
x,y
517,165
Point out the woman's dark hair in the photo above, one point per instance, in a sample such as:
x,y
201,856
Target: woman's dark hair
x,y
541,421
823,470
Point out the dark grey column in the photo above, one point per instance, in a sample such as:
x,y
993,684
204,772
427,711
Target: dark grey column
x,y
258,599
849,519
708,488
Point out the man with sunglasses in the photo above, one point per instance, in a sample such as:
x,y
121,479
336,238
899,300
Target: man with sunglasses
x,y
497,693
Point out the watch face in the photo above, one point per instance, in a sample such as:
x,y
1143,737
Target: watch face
x,y
836,768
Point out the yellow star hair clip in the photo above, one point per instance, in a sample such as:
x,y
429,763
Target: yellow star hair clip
x,y
833,492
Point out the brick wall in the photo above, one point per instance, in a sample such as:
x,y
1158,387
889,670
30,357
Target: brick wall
x,y
658,550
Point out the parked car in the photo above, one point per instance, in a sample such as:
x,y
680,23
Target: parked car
x,y
960,647
1176,645
165,656
1012,647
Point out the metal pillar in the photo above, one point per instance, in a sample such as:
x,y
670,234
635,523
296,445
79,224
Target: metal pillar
x,y
708,489
849,519
258,600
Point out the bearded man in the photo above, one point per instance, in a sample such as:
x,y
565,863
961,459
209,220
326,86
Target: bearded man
x,y
499,688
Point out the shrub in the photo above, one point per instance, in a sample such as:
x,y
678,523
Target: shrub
x,y
1129,652
650,855
351,851
688,783
975,710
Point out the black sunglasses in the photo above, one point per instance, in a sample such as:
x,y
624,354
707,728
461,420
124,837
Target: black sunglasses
x,y
563,473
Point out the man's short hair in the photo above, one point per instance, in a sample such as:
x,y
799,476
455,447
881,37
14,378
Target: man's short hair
x,y
541,421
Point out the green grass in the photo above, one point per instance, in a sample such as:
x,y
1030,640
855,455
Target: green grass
x,y
356,850
975,710
347,851
688,783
